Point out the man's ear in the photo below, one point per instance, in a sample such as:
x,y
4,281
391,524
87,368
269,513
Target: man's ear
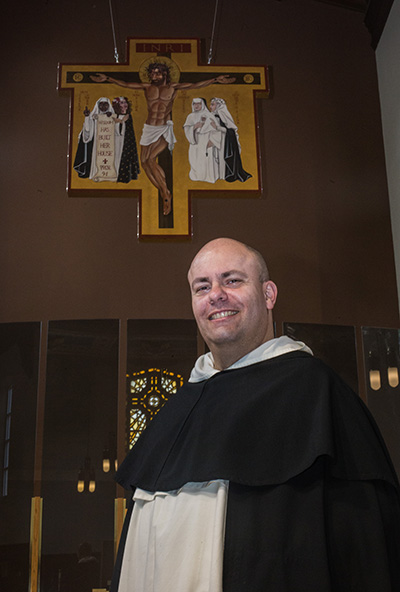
x,y
271,293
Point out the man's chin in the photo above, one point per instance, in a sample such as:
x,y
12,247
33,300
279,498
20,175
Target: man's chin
x,y
221,338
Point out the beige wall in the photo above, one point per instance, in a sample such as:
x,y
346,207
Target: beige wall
x,y
323,219
387,56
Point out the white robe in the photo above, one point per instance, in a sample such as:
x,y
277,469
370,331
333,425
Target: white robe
x,y
99,129
206,162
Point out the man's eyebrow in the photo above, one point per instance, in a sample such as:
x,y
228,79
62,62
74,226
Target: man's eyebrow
x,y
233,272
200,280
224,275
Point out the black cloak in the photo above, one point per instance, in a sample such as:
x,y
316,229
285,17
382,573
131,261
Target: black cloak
x,y
129,165
83,158
314,502
234,170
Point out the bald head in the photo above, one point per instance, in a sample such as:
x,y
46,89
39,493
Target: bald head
x,y
220,243
232,299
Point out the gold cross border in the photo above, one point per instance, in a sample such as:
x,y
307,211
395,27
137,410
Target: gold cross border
x,y
251,83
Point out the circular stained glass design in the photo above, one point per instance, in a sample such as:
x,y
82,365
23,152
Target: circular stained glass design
x,y
154,401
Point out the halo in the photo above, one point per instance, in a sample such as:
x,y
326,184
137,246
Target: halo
x,y
174,71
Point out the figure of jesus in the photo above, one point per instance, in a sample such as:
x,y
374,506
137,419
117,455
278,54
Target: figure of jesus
x,y
158,132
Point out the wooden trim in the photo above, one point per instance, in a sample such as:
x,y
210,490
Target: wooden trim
x,y
362,387
35,546
119,517
40,402
121,404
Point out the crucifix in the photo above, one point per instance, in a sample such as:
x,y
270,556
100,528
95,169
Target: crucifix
x,y
164,128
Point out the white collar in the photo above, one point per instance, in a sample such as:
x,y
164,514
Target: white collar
x,y
204,367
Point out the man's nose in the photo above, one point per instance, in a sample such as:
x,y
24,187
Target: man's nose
x,y
217,293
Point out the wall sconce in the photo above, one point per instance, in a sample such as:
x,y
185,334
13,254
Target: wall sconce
x,y
382,361
109,460
392,369
86,477
92,482
106,460
109,455
81,481
374,372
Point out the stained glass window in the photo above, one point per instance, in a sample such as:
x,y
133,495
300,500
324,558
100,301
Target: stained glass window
x,y
149,391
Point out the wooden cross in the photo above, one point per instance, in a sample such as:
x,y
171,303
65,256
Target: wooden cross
x,y
136,130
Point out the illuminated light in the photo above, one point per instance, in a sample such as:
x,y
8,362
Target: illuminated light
x,y
86,476
393,376
81,481
375,379
92,481
106,459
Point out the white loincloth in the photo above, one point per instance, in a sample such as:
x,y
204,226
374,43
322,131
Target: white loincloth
x,y
151,133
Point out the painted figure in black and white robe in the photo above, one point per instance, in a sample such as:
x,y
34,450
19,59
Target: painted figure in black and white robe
x,y
126,155
234,170
206,138
92,151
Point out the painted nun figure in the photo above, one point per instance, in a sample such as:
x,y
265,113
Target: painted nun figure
x,y
234,170
206,138
91,153
126,155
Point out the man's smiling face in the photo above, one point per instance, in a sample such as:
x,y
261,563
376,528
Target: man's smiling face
x,y
230,303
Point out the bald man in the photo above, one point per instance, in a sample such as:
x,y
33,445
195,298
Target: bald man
x,y
265,472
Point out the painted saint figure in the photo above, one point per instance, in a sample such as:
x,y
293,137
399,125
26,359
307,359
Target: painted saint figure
x,y
207,139
95,154
126,156
158,133
234,170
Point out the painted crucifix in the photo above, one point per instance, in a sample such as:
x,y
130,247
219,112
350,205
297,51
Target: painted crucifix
x,y
195,125
158,132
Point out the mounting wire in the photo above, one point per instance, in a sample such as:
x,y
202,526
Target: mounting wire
x,y
210,52
116,57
